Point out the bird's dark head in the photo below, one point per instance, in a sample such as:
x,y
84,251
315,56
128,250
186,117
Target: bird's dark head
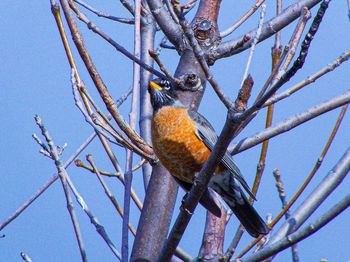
x,y
162,93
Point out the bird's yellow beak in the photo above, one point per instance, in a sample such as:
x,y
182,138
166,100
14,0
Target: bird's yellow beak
x,y
155,86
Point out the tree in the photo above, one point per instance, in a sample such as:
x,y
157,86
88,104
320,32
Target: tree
x,y
199,46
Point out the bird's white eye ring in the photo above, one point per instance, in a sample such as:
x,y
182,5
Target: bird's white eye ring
x,y
167,86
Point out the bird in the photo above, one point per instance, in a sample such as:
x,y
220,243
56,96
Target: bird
x,y
182,139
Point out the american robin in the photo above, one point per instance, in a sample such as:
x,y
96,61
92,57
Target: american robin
x,y
182,139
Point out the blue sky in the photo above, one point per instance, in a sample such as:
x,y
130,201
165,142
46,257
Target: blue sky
x,y
34,79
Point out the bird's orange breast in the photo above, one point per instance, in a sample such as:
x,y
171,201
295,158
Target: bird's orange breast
x,y
176,144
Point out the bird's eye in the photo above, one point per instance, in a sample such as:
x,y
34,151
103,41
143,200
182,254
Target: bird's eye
x,y
167,86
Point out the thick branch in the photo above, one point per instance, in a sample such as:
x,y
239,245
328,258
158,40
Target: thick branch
x,y
156,215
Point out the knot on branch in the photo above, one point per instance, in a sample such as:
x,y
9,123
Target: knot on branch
x,y
190,82
206,33
244,94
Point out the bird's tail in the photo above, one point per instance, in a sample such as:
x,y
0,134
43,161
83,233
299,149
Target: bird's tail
x,y
226,186
249,218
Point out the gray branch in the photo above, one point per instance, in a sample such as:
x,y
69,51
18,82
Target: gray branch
x,y
168,26
269,28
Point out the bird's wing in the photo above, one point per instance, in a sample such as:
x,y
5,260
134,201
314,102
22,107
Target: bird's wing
x,y
206,133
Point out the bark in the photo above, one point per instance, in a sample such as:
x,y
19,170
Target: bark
x,y
156,215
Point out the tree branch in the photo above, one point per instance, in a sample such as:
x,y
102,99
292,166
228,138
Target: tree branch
x,y
240,21
169,27
315,199
132,121
335,176
269,28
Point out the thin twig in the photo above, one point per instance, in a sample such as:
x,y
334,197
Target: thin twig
x,y
289,14
240,21
82,17
155,56
132,121
278,12
63,177
282,195
104,15
255,41
281,191
128,6
79,163
108,192
315,168
117,167
45,186
249,246
294,41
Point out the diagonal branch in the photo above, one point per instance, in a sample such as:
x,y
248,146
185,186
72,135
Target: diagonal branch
x,y
118,47
283,240
108,192
240,21
102,89
270,27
